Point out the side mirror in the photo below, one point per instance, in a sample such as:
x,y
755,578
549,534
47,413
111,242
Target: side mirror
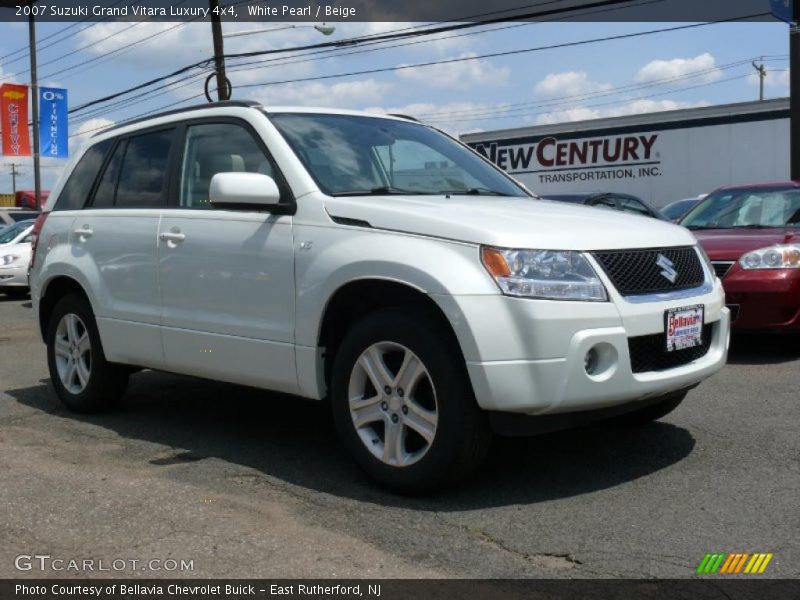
x,y
252,189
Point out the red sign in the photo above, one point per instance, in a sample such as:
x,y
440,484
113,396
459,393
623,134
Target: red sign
x,y
14,119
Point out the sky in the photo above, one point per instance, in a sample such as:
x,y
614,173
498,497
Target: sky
x,y
696,67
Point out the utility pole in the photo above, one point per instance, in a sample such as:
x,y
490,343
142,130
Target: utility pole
x,y
762,75
37,176
14,174
219,52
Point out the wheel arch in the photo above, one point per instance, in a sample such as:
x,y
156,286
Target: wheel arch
x,y
52,291
357,298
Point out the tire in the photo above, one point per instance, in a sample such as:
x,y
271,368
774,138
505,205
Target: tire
x,y
17,293
73,341
441,434
644,416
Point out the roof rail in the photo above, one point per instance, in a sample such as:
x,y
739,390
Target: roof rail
x,y
221,104
399,116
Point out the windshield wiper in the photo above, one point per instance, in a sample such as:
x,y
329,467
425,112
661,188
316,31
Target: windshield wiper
x,y
379,191
700,227
755,226
476,191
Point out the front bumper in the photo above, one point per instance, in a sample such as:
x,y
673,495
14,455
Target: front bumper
x,y
764,299
527,356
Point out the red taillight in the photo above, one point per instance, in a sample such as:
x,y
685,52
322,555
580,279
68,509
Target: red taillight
x,y
37,228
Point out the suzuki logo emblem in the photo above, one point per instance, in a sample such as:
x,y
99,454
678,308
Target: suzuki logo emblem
x,y
668,267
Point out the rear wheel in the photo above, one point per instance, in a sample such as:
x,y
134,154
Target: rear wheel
x,y
403,404
83,379
651,413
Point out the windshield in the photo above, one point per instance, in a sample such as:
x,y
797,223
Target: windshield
x,y
356,155
10,233
747,209
677,209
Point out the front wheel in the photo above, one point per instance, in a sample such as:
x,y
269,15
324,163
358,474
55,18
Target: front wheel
x,y
403,404
83,379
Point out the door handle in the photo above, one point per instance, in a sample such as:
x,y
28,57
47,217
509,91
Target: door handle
x,y
85,232
172,236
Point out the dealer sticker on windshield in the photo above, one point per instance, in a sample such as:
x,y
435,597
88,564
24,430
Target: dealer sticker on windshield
x,y
684,327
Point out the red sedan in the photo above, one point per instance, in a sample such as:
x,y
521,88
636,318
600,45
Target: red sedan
x,y
752,236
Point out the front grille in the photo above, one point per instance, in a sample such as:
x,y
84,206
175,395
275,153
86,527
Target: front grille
x,y
636,271
649,352
721,268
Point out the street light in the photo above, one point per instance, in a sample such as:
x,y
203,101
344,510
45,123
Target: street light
x,y
323,29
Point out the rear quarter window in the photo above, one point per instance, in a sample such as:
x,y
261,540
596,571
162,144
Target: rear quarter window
x,y
79,185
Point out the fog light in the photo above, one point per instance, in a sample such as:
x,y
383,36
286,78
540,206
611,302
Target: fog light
x,y
590,361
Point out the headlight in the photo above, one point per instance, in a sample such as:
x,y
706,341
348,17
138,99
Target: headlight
x,y
551,274
8,259
775,257
707,260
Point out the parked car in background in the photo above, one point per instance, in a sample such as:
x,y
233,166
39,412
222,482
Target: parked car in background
x,y
10,215
371,261
15,257
752,235
675,211
622,202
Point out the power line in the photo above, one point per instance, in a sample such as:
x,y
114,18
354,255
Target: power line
x,y
598,104
354,41
518,106
493,54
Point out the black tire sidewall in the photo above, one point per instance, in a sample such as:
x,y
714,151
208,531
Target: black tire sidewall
x,y
461,425
106,381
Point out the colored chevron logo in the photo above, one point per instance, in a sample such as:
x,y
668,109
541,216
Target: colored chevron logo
x,y
735,563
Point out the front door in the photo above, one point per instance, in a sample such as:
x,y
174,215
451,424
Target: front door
x,y
226,276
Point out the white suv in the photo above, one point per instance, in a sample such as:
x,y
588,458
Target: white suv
x,y
372,261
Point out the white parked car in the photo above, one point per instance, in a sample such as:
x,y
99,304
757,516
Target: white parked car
x,y
15,256
369,260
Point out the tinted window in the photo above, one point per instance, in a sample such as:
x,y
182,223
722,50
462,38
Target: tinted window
x,y
106,190
10,233
347,154
755,208
79,185
143,174
217,148
21,215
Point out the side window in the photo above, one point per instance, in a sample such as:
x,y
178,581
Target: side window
x,y
633,206
76,191
213,148
106,191
143,175
27,239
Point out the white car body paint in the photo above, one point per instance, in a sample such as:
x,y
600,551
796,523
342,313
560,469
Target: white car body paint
x,y
242,296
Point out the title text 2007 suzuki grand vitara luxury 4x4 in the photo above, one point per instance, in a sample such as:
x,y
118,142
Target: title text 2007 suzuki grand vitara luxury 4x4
x,y
370,260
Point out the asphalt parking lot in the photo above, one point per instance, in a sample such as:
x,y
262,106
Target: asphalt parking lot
x,y
250,484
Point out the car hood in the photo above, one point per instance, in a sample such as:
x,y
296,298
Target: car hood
x,y
510,222
731,244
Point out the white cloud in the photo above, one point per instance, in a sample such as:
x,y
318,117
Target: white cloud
x,y
80,135
344,94
437,114
774,78
458,74
568,83
680,67
634,107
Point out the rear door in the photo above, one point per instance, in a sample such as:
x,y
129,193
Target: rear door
x,y
115,239
226,276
